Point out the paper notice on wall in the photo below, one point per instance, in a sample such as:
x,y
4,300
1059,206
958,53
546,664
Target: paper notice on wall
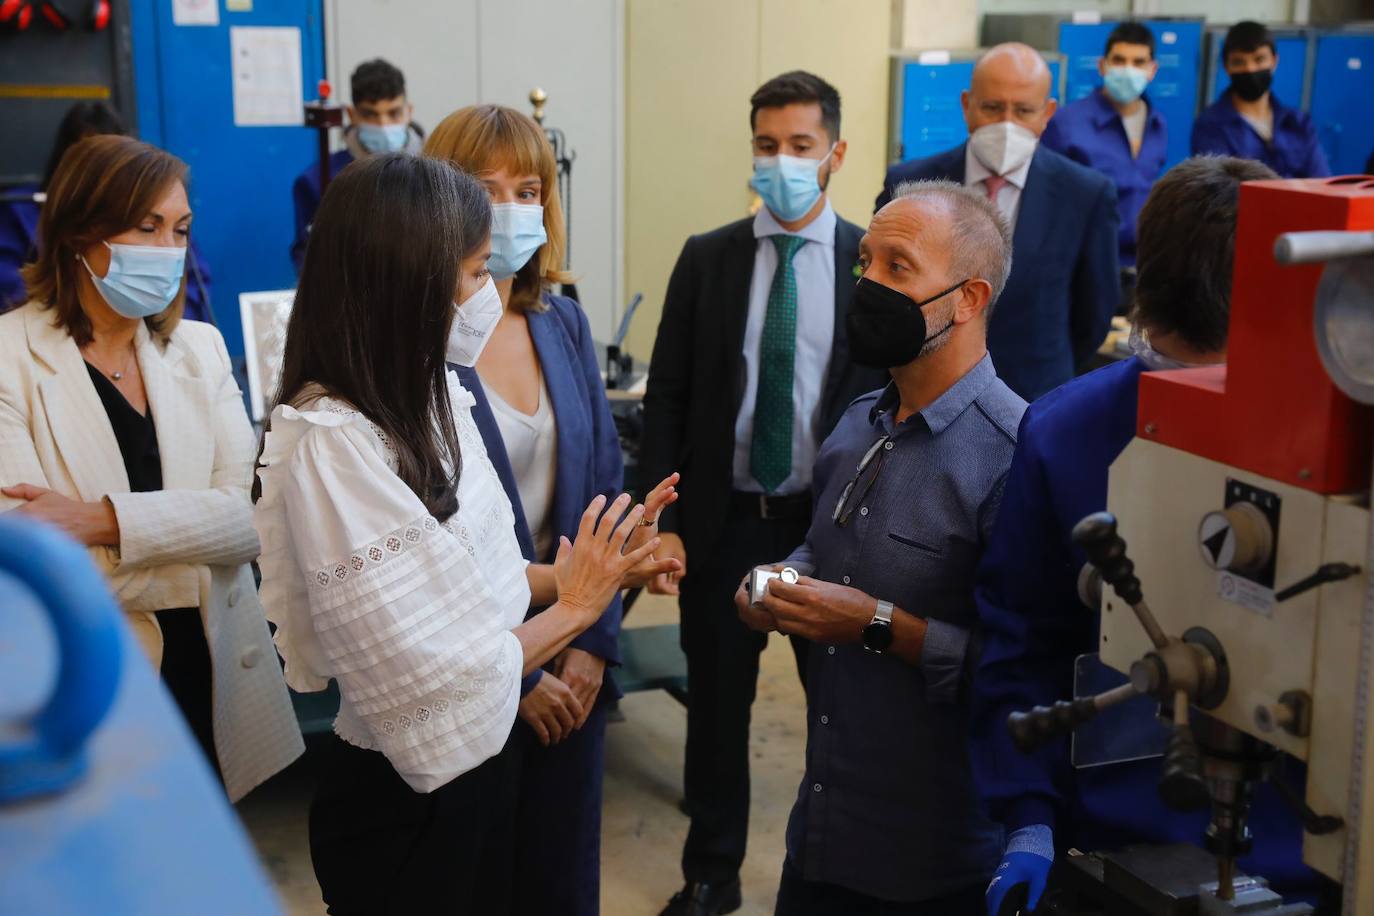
x,y
195,12
267,76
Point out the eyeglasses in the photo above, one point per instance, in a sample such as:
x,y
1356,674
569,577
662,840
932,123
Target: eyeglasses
x,y
844,508
998,110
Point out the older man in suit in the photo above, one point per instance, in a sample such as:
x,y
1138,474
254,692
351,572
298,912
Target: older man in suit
x,y
1064,283
750,372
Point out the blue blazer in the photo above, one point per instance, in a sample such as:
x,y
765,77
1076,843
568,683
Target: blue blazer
x,y
305,197
1034,626
1065,282
19,246
589,460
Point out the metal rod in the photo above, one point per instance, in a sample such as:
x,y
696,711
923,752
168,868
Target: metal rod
x,y
1315,247
1116,695
1147,620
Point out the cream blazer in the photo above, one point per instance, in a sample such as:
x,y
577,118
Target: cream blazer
x,y
187,545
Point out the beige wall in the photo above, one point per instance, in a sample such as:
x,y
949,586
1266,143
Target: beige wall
x,y
691,66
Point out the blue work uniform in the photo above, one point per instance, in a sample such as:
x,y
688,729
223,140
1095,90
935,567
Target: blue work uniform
x,y
1033,626
19,246
1090,132
1293,152
305,194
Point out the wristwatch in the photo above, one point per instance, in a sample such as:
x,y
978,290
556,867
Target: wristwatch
x,y
878,633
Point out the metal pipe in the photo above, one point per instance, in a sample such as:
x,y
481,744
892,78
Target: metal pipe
x,y
1315,247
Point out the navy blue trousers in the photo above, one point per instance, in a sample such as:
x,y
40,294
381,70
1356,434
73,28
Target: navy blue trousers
x,y
558,821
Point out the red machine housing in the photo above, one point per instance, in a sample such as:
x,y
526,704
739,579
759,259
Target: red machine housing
x,y
1272,410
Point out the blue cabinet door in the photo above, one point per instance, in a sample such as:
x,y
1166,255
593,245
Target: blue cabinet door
x,y
1342,85
1178,48
240,176
932,119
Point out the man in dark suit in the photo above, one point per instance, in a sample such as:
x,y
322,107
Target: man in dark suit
x,y
1064,285
750,372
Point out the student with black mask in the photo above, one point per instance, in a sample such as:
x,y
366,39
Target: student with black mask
x,y
1248,121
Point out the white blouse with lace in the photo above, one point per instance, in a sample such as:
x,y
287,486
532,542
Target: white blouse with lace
x,y
413,618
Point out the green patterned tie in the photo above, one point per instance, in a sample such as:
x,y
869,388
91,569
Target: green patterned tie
x,y
770,455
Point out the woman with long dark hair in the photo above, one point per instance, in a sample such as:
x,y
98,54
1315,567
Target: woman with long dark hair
x,y
390,562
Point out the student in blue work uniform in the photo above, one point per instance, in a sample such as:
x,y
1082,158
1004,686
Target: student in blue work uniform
x,y
1033,624
378,122
1118,131
19,215
1248,121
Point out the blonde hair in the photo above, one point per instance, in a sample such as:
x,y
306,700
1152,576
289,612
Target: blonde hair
x,y
482,138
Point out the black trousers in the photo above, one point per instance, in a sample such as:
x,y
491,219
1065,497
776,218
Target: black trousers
x,y
186,674
799,897
722,674
382,849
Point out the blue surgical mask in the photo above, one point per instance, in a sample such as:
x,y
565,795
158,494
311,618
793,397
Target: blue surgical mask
x,y
142,279
517,232
1125,84
789,185
383,138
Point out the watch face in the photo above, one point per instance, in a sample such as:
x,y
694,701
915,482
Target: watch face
x,y
877,637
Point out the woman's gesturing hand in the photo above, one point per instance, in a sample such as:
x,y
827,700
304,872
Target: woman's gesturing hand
x,y
659,498
589,571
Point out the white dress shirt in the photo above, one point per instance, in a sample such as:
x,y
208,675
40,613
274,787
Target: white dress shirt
x,y
1009,197
532,446
411,617
814,267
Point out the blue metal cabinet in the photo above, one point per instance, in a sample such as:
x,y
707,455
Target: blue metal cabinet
x,y
928,117
240,176
1178,48
1291,79
1342,85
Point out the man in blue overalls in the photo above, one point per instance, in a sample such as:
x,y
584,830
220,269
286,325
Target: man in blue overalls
x,y
1033,624
1118,131
1248,121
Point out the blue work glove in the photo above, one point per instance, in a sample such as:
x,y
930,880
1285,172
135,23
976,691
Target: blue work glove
x,y
1029,855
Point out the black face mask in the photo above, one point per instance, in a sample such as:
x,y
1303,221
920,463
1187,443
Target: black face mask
x,y
886,327
1253,85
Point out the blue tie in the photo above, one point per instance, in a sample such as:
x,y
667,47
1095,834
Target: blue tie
x,y
770,454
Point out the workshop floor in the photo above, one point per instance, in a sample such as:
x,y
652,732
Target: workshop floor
x,y
643,828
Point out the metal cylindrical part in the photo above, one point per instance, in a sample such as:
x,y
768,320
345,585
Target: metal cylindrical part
x,y
1314,247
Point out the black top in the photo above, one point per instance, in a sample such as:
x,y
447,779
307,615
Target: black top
x,y
135,433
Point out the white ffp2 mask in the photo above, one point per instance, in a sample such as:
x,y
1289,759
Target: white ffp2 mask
x,y
473,321
1003,147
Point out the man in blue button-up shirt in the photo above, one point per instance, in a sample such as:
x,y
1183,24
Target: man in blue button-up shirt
x,y
1116,129
1248,121
907,488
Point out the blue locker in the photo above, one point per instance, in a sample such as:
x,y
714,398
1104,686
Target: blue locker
x,y
1290,79
931,118
1342,85
1178,48
240,176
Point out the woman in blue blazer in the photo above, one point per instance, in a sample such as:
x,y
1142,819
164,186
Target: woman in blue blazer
x,y
543,413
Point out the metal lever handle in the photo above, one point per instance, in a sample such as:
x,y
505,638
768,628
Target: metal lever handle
x,y
1098,537
1315,247
1030,730
1182,787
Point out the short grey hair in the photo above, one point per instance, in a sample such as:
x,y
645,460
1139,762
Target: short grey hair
x,y
979,237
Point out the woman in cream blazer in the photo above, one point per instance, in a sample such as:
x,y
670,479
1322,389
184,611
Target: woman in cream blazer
x,y
186,545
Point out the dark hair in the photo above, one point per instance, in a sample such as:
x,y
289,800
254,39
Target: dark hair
x,y
1131,33
799,87
1186,247
376,81
82,120
1246,37
103,186
374,304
